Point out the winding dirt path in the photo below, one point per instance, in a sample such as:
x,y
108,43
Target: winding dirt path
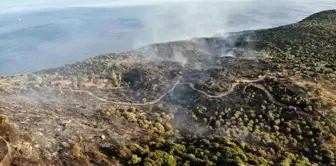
x,y
269,95
250,83
126,103
191,85
272,99
238,82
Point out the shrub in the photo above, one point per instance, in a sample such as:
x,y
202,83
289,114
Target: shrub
x,y
6,86
4,120
124,152
159,157
134,160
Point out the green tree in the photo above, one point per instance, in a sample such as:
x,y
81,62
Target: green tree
x,y
159,157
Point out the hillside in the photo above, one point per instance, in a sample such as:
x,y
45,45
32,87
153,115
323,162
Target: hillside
x,y
263,97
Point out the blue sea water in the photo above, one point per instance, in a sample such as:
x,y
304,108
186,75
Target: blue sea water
x,y
39,39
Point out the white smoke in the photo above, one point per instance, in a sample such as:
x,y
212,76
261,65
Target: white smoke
x,y
56,37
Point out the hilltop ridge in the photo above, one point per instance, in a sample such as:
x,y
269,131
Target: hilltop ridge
x,y
323,17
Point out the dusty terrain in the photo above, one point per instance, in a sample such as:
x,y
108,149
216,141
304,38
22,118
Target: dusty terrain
x,y
182,103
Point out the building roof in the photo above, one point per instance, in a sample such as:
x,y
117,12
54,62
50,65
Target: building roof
x,y
61,82
88,84
102,85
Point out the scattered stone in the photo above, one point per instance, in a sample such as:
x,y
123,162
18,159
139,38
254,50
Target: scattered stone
x,y
65,144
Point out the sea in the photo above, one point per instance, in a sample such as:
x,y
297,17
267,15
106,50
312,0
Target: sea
x,y
31,40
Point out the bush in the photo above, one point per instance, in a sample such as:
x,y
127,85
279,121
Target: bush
x,y
124,152
4,120
134,160
6,86
160,158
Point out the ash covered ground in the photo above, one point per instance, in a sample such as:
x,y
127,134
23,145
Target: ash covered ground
x,y
261,97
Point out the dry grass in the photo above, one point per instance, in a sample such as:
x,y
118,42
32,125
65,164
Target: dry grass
x,y
327,93
6,85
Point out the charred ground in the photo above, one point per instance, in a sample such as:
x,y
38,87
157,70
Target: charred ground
x,y
261,97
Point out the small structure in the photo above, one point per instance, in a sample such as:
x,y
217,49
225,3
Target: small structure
x,y
61,82
101,86
88,84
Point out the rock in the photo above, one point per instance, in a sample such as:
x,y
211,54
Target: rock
x,y
103,137
65,144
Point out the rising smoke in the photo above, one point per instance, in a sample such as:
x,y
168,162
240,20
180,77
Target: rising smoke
x,y
39,34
